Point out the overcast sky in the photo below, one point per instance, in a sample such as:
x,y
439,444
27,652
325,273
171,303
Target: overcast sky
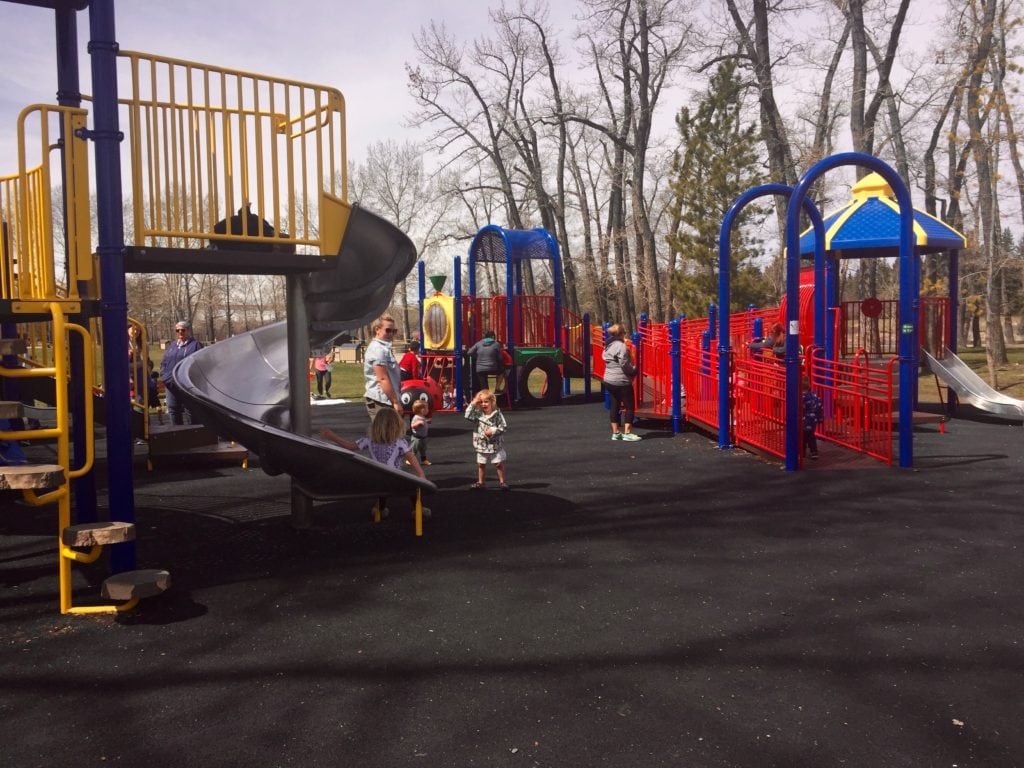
x,y
358,47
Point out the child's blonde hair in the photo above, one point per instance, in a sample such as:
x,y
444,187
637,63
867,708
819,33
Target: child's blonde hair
x,y
386,426
486,394
420,407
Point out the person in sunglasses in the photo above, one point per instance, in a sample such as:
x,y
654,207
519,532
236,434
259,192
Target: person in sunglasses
x,y
380,368
183,345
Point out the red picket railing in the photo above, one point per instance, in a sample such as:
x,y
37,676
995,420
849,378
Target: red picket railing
x,y
535,315
858,400
760,405
652,385
700,383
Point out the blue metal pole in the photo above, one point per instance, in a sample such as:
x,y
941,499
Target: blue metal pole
x,y
421,276
457,367
556,271
675,352
69,95
114,306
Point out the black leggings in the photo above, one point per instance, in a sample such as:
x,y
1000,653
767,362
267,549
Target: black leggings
x,y
323,381
622,397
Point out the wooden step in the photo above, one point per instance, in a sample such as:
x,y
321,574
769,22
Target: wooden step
x,y
20,477
11,409
13,347
175,438
216,453
93,534
132,584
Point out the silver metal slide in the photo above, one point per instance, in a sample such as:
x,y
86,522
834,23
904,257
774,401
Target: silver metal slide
x,y
971,388
239,387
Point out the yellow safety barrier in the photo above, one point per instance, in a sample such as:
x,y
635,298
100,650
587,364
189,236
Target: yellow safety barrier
x,y
207,143
30,275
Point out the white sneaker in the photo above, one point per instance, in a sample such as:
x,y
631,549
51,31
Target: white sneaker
x,y
631,437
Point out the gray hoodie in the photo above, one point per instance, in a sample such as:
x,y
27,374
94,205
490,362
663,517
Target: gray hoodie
x,y
488,355
618,363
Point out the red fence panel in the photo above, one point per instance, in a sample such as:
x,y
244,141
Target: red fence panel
x,y
760,411
653,385
858,401
700,383
535,315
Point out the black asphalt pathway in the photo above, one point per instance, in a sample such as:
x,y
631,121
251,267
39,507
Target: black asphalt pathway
x,y
658,603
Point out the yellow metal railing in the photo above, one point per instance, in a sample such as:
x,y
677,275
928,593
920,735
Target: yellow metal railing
x,y
207,143
30,275
61,495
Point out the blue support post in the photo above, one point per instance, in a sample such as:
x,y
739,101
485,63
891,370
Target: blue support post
x,y
421,276
675,353
69,95
457,365
114,307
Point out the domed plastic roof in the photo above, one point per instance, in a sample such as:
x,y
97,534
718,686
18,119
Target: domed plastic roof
x,y
869,226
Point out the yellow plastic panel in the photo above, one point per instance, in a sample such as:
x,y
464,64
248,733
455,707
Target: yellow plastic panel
x,y
334,215
439,322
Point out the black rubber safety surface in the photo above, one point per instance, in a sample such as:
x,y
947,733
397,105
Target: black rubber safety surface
x,y
657,603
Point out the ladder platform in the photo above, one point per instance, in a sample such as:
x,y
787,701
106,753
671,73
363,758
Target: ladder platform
x,y
30,476
11,409
275,259
218,453
175,438
136,584
97,534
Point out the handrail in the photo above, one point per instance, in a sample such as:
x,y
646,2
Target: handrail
x,y
29,271
206,143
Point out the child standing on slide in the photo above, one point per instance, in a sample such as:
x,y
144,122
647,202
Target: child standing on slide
x,y
487,438
385,444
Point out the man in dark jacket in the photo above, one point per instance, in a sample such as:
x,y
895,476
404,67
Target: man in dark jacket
x,y
183,346
486,355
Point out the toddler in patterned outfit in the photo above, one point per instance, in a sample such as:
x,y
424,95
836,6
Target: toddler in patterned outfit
x,y
487,437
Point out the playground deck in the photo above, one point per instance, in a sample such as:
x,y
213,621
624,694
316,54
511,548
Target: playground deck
x,y
659,603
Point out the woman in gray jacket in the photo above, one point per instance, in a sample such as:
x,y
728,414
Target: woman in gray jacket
x,y
618,382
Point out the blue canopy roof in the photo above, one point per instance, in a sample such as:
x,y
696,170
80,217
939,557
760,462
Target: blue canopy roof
x,y
869,226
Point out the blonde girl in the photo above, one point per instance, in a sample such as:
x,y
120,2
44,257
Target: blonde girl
x,y
385,443
488,440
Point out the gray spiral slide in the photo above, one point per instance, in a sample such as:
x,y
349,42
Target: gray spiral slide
x,y
971,388
239,387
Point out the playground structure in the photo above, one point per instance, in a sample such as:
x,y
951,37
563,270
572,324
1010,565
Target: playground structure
x,y
229,173
861,357
529,327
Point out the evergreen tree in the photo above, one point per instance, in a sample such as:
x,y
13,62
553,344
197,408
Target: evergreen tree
x,y
717,162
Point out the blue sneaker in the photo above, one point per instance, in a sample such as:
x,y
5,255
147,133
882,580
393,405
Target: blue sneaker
x,y
616,435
